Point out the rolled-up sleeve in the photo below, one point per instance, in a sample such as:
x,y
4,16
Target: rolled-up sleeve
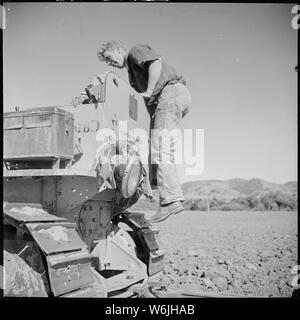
x,y
141,54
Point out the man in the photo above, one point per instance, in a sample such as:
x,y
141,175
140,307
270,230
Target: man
x,y
167,99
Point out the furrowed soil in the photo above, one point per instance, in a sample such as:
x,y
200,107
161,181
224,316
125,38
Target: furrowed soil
x,y
243,253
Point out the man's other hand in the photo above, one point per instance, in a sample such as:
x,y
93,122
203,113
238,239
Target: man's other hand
x,y
79,100
147,94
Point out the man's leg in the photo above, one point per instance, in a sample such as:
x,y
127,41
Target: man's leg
x,y
173,100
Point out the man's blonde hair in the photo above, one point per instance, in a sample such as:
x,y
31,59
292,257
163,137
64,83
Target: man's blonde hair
x,y
109,46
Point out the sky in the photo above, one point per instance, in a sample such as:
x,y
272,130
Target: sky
x,y
238,61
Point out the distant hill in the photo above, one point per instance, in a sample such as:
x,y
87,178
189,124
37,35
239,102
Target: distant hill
x,y
248,186
292,186
233,194
241,186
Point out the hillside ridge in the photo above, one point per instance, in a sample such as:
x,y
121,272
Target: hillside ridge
x,y
233,194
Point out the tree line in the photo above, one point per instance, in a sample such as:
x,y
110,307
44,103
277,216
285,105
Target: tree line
x,y
271,200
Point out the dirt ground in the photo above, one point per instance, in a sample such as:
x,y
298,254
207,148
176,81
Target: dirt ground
x,y
243,253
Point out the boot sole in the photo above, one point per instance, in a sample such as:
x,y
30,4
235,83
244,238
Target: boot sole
x,y
166,216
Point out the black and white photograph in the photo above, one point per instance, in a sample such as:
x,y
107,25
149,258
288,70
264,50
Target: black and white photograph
x,y
150,151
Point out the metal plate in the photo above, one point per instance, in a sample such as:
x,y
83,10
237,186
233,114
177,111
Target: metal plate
x,y
49,172
13,123
29,212
56,237
37,111
156,262
149,237
37,121
88,292
68,272
138,219
133,108
20,279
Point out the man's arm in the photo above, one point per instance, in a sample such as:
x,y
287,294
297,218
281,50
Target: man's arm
x,y
154,73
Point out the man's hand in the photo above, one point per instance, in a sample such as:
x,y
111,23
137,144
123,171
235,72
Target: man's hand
x,y
147,94
79,100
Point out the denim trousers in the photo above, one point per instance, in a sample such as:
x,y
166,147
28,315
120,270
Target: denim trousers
x,y
173,104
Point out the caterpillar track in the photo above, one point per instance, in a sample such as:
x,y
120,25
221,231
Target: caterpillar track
x,y
45,256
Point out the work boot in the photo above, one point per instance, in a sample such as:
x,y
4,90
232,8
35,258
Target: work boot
x,y
165,211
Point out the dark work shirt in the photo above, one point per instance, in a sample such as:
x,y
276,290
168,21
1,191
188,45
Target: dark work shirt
x,y
138,60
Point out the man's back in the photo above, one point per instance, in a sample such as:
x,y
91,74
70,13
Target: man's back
x,y
138,60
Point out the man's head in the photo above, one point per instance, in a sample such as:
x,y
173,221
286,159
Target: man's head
x,y
113,53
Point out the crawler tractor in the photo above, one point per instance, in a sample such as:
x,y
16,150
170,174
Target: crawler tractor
x,y
67,226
